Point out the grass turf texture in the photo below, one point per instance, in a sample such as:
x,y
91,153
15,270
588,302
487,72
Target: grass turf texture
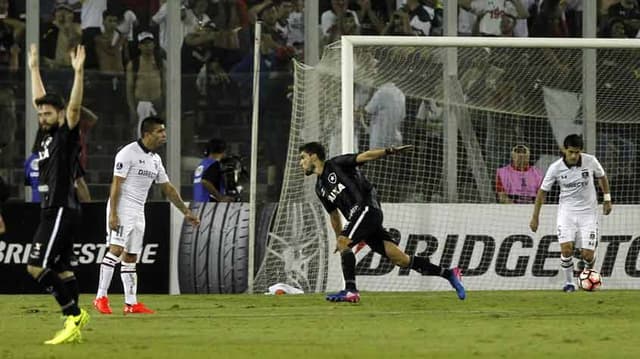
x,y
502,324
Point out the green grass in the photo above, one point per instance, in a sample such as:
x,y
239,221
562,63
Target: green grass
x,y
517,324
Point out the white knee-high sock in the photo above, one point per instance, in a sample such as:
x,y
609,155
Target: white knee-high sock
x,y
129,282
107,267
567,267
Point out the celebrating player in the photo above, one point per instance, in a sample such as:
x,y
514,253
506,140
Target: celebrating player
x,y
52,249
578,208
342,187
136,168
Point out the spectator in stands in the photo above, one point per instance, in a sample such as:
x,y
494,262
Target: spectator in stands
x,y
489,14
296,26
91,23
110,45
550,21
507,25
160,19
59,37
370,23
398,25
518,182
196,16
387,110
425,18
628,12
617,29
11,36
348,26
331,20
208,178
226,15
145,81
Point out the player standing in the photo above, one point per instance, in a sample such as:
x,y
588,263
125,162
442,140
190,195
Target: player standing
x,y
52,247
342,187
136,168
577,220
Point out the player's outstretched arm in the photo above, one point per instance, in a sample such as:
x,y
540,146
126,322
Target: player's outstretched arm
x,y
381,152
604,186
37,87
174,197
536,210
75,99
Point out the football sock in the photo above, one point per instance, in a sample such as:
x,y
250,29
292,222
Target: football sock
x,y
424,266
71,283
567,267
589,265
129,282
107,267
54,286
349,270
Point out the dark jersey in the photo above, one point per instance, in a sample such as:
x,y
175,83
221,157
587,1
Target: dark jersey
x,y
341,185
58,153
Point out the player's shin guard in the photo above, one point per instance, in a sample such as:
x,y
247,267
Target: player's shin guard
x,y
129,282
71,283
567,267
424,266
349,269
52,283
107,267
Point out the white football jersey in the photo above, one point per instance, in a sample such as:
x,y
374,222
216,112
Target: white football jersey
x,y
139,168
577,189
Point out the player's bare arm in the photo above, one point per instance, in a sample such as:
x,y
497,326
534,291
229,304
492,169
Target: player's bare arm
x,y
2,226
114,198
37,86
536,209
75,99
216,194
174,197
604,186
381,152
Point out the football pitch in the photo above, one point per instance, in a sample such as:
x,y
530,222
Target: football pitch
x,y
488,324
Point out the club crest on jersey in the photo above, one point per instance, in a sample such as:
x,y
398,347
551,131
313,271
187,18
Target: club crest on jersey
x,y
119,165
585,174
332,178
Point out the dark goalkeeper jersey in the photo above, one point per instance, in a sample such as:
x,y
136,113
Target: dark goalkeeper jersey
x,y
58,153
341,185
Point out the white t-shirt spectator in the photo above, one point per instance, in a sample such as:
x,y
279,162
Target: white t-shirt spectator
x,y
387,109
521,29
328,20
91,13
490,13
466,20
296,27
160,18
191,22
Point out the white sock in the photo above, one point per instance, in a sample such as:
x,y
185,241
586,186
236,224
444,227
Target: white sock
x,y
567,267
107,267
129,282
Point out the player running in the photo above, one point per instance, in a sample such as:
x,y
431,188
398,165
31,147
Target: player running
x,y
577,220
342,187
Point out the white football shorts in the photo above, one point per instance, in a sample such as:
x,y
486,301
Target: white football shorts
x,y
130,232
579,227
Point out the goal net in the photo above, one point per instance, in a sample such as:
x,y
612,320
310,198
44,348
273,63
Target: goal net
x,y
470,111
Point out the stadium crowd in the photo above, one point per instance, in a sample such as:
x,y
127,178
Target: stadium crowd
x,y
126,42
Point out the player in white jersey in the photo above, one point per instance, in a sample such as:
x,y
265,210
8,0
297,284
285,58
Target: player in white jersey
x,y
577,220
136,168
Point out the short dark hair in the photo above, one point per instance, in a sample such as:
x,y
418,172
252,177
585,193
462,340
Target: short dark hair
x,y
573,140
313,148
148,124
215,145
52,99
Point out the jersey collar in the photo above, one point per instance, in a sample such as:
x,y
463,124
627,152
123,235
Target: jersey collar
x,y
578,164
144,148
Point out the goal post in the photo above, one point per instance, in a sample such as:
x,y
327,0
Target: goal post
x,y
470,106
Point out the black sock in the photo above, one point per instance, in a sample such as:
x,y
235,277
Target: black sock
x,y
424,266
71,283
54,286
349,270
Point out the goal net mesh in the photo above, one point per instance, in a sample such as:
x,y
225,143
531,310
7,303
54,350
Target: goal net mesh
x,y
499,99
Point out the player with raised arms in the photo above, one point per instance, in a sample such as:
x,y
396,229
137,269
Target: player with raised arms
x,y
577,219
342,188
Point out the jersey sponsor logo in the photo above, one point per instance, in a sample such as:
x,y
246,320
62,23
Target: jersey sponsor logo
x,y
86,253
514,256
332,178
198,172
147,173
576,184
335,192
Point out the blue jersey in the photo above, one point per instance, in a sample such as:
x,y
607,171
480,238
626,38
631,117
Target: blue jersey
x,y
31,175
208,169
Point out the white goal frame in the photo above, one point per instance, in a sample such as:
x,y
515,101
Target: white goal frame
x,y
450,70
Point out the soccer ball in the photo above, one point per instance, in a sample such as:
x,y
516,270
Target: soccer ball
x,y
589,280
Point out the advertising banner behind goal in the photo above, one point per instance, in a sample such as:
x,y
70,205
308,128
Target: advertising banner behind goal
x,y
494,246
